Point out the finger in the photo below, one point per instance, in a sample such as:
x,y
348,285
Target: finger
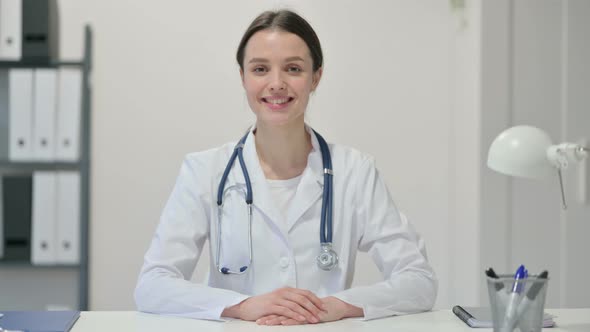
x,y
289,321
262,320
305,303
294,306
311,297
285,310
277,320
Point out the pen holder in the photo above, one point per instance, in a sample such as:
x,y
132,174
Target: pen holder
x,y
517,304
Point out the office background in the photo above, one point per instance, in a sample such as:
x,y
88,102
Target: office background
x,y
424,86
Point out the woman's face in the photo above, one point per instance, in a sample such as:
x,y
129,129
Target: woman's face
x,y
278,77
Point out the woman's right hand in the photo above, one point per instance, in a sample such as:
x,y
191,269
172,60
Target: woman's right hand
x,y
298,304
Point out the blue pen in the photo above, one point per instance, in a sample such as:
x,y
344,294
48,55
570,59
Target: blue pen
x,y
512,305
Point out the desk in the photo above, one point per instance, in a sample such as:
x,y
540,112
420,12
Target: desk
x,y
570,320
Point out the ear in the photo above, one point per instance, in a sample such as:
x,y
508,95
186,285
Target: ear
x,y
317,76
242,76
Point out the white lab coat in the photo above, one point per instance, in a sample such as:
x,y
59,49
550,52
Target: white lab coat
x,y
284,251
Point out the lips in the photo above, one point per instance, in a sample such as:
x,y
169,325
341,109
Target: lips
x,y
277,103
277,100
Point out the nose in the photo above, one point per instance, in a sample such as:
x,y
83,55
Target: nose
x,y
277,83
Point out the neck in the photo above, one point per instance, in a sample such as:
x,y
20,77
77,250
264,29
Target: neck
x,y
282,152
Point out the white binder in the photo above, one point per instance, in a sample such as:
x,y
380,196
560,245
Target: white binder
x,y
20,104
10,30
43,227
69,107
68,217
4,114
44,113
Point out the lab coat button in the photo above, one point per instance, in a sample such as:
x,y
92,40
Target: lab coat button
x,y
284,262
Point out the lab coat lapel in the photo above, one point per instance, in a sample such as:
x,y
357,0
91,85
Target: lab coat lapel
x,y
311,186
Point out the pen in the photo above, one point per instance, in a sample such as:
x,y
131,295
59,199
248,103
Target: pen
x,y
528,301
498,286
511,306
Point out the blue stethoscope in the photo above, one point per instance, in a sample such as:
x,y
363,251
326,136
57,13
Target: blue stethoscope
x,y
327,259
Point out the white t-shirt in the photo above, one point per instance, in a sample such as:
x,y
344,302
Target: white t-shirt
x,y
283,192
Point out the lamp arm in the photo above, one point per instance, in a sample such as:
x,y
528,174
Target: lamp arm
x,y
561,155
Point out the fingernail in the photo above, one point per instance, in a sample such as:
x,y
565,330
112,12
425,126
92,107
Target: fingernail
x,y
301,318
314,320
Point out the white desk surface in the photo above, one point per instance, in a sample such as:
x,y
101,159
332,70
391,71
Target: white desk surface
x,y
571,320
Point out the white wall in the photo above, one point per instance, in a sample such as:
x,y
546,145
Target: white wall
x,y
464,156
536,71
165,83
423,87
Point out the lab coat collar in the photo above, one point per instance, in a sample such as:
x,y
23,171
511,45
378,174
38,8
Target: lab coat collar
x,y
308,191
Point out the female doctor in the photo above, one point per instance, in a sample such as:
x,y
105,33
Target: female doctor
x,y
284,212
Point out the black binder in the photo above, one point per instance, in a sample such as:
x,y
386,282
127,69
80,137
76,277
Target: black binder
x,y
17,197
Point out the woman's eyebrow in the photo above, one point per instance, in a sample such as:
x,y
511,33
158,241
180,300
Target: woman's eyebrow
x,y
294,58
258,60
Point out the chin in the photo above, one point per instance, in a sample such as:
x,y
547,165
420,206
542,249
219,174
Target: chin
x,y
278,120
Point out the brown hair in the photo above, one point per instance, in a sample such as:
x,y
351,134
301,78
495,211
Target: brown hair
x,y
288,21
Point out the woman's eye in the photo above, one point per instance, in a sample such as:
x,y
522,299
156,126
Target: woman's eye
x,y
259,70
294,69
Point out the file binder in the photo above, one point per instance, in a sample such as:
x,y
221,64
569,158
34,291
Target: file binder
x,y
4,112
44,105
69,107
10,30
68,217
40,31
44,218
16,216
20,104
39,321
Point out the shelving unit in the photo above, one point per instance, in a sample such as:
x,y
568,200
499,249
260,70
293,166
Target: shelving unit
x,y
24,286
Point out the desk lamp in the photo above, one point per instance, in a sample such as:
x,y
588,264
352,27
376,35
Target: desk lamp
x,y
526,151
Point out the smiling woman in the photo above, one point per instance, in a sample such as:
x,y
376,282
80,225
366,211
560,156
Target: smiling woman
x,y
278,78
266,263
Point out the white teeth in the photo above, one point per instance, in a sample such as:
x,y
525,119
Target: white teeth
x,y
278,101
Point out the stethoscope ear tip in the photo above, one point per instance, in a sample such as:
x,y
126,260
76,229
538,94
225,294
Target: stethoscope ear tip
x,y
224,270
243,268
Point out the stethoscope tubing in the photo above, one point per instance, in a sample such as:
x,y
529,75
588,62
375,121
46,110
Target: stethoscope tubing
x,y
326,212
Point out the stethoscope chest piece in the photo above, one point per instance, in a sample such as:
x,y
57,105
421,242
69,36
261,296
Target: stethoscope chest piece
x,y
327,259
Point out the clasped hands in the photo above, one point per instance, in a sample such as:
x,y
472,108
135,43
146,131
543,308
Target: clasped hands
x,y
291,306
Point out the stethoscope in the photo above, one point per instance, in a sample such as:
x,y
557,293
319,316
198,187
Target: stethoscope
x,y
327,259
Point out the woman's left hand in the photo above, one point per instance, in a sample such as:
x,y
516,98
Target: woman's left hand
x,y
336,309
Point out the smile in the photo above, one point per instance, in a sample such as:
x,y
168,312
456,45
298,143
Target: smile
x,y
277,103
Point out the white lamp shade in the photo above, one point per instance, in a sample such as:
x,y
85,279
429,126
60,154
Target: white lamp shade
x,y
521,151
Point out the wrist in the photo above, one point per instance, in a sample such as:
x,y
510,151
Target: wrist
x,y
350,310
353,311
233,311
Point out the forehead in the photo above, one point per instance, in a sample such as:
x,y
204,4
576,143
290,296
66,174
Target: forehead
x,y
275,44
